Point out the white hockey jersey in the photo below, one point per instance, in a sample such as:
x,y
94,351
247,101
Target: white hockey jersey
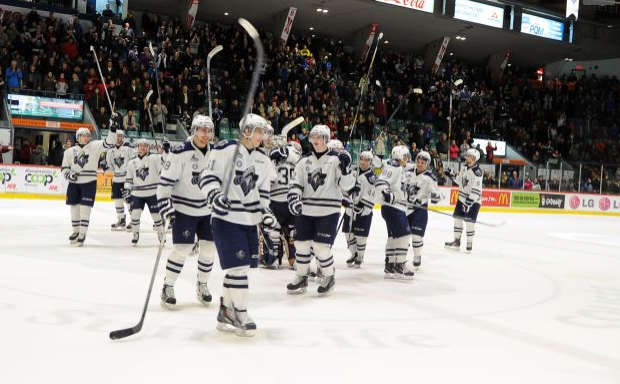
x,y
319,182
366,181
250,187
284,178
143,175
420,186
84,160
179,179
117,159
470,185
392,179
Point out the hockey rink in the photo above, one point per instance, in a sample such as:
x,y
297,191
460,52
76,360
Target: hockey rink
x,y
538,301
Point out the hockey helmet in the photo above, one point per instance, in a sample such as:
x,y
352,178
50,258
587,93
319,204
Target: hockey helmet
x,y
294,152
320,130
335,145
425,156
473,153
250,122
202,121
400,152
367,155
82,132
120,132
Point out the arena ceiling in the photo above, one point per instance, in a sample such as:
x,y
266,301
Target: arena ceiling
x,y
406,30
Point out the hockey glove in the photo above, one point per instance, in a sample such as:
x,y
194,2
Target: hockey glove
x,y
435,197
104,165
71,176
467,205
221,205
345,162
269,220
166,210
388,196
126,195
415,201
358,208
346,202
355,192
279,154
294,204
450,173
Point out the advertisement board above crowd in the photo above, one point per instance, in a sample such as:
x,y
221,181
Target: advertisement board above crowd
x,y
418,5
480,13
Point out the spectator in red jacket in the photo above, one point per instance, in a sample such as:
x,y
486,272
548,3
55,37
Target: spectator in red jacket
x,y
69,48
490,149
454,151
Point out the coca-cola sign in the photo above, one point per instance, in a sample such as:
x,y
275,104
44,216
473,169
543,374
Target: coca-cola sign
x,y
418,5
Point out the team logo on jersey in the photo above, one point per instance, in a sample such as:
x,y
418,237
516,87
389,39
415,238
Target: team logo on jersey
x,y
81,159
465,181
195,178
316,178
142,173
413,190
372,179
119,161
246,180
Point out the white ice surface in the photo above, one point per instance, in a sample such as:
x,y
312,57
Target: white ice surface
x,y
537,302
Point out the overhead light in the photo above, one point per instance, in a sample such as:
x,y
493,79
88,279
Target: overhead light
x,y
339,41
386,42
312,28
610,26
319,9
225,13
313,35
568,59
510,64
451,53
463,38
458,37
325,10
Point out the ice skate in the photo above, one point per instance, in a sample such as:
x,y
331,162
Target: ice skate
x,y
469,247
454,245
128,228
299,285
359,261
389,271
401,272
231,320
417,260
351,260
203,294
167,296
73,238
327,286
315,276
136,237
120,225
79,241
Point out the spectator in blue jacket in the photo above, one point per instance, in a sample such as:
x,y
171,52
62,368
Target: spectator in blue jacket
x,y
13,76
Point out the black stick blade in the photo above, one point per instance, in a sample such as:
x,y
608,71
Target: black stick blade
x,y
122,333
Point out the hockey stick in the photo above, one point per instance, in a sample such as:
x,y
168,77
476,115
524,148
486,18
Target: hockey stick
x,y
213,52
493,225
122,333
258,66
156,74
414,90
148,110
102,79
291,125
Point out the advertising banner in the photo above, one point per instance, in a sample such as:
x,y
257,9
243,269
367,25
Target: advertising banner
x,y
442,51
292,11
491,198
479,13
191,13
374,27
525,200
592,203
45,107
542,27
418,5
552,201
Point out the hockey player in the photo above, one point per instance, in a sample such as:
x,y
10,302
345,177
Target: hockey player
x,y
421,187
79,167
141,189
117,159
362,203
391,188
470,196
181,203
315,197
284,158
236,184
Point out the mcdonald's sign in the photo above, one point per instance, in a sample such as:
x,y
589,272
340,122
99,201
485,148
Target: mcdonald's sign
x,y
495,198
454,196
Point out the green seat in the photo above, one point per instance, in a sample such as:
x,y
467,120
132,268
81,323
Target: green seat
x,y
146,134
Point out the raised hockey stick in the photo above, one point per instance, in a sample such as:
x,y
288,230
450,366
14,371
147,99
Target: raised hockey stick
x,y
213,52
156,74
291,125
122,333
105,87
258,67
494,225
148,110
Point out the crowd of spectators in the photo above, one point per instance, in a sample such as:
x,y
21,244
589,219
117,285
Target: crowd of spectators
x,y
318,78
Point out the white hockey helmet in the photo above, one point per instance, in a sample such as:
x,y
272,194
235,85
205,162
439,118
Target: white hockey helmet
x,y
120,132
142,141
399,152
268,137
335,145
366,155
320,130
252,121
473,153
82,132
424,156
202,121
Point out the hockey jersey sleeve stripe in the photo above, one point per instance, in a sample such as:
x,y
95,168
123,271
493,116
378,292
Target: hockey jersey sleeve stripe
x,y
191,205
322,199
246,210
188,199
163,178
333,205
238,202
166,184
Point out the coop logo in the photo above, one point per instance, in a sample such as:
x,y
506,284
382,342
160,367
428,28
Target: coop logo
x,y
604,204
6,176
39,178
574,202
552,201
